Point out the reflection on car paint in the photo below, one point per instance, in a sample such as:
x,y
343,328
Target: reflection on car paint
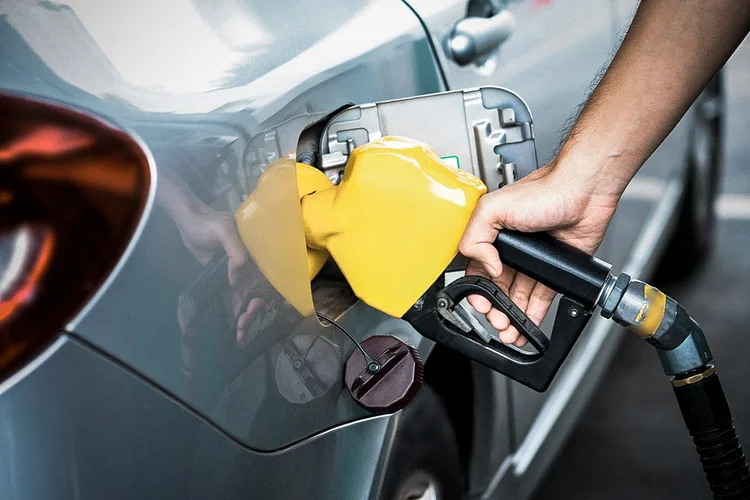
x,y
188,309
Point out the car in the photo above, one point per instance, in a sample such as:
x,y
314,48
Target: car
x,y
143,353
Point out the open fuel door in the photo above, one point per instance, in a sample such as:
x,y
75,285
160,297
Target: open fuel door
x,y
485,131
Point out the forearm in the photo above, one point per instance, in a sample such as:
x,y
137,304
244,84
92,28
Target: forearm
x,y
173,194
671,51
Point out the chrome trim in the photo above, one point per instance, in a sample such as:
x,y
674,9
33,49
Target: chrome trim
x,y
32,365
150,197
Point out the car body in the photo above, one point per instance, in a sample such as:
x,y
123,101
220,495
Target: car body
x,y
129,402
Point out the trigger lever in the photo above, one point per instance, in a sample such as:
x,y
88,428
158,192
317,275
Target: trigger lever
x,y
457,315
452,294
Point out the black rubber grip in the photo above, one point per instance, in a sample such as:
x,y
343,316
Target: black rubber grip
x,y
563,268
709,420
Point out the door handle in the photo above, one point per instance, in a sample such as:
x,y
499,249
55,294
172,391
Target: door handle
x,y
474,37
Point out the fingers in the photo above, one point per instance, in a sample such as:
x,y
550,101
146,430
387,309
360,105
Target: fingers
x,y
481,232
540,300
500,322
486,255
236,253
539,303
479,303
520,293
520,342
247,317
533,298
535,203
497,319
476,244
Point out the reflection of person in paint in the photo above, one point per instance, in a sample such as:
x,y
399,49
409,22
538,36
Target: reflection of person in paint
x,y
206,232
671,52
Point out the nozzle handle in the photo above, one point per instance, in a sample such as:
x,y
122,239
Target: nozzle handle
x,y
561,267
532,369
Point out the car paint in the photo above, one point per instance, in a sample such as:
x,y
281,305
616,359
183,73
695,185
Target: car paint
x,y
77,424
203,117
197,89
190,112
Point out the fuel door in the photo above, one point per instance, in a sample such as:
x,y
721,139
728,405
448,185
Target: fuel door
x,y
486,131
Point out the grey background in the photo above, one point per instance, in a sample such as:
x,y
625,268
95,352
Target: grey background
x,y
631,442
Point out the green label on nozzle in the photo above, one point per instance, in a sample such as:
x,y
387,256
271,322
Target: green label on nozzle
x,y
452,161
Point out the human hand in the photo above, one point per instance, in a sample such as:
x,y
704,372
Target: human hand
x,y
573,209
209,232
206,233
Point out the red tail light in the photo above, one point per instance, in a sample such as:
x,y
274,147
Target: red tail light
x,y
72,191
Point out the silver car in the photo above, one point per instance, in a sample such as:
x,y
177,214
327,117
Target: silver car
x,y
143,354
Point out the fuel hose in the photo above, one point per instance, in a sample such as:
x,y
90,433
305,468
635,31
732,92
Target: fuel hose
x,y
660,320
708,419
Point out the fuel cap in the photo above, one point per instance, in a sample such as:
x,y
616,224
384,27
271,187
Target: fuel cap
x,y
389,380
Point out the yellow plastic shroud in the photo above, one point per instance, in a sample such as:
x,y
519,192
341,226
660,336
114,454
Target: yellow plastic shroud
x,y
394,222
392,225
270,225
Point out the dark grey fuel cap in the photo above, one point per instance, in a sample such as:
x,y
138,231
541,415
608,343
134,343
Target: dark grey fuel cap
x,y
389,380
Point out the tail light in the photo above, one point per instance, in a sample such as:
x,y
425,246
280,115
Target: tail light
x,y
72,192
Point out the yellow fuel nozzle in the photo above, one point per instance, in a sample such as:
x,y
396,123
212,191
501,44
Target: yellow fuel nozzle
x,y
394,222
392,225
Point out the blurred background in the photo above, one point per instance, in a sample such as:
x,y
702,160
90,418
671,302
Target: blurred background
x,y
630,441
145,351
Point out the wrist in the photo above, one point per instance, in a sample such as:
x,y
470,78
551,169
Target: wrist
x,y
178,201
598,172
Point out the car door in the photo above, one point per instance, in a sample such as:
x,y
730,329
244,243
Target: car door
x,y
217,93
651,185
549,52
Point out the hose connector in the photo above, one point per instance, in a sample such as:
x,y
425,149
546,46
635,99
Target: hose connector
x,y
659,320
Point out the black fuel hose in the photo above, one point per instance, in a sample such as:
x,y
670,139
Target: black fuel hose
x,y
709,420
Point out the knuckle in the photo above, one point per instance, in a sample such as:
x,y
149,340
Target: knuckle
x,y
520,296
465,247
484,208
509,336
481,203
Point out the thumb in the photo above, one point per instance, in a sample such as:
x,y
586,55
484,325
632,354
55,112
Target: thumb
x,y
236,254
481,232
486,254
